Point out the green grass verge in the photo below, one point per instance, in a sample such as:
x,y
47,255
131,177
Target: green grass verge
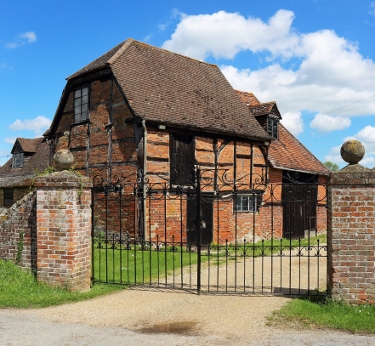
x,y
326,313
136,266
19,289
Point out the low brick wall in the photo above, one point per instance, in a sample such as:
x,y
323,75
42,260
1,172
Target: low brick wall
x,y
49,231
351,236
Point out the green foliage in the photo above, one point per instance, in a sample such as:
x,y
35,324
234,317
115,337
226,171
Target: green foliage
x,y
20,289
326,313
47,170
332,166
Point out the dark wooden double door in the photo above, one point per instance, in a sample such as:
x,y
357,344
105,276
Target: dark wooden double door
x,y
299,202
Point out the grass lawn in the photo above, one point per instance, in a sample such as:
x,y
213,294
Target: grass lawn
x,y
19,289
136,266
325,313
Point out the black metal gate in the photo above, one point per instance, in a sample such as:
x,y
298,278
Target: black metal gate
x,y
209,235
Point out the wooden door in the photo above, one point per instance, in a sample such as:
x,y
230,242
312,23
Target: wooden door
x,y
206,231
299,209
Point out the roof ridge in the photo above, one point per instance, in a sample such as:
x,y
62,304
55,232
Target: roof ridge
x,y
122,49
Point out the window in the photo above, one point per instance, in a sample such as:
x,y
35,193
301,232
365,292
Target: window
x,y
181,158
81,104
8,197
18,160
273,127
245,203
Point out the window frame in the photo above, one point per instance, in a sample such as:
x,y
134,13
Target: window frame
x,y
273,127
18,160
81,104
8,197
252,203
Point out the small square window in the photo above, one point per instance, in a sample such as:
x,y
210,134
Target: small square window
x,y
245,203
81,104
8,197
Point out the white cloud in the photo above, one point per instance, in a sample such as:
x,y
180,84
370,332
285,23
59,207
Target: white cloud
x,y
38,125
22,39
10,140
372,9
318,72
293,122
367,137
334,156
223,35
326,123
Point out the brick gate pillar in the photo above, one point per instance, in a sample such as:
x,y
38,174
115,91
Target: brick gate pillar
x,y
351,229
64,230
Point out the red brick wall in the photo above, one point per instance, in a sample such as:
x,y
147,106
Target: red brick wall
x,y
351,237
49,231
15,223
105,146
63,221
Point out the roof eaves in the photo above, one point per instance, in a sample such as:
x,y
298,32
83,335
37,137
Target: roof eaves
x,y
326,173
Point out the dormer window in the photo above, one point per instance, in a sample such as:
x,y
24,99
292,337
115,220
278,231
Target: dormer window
x,y
18,160
81,104
273,127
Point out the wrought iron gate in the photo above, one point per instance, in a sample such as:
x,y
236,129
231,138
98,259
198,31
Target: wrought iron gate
x,y
209,234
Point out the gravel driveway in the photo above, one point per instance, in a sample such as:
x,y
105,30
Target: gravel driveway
x,y
152,317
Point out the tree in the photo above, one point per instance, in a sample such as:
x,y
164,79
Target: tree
x,y
332,166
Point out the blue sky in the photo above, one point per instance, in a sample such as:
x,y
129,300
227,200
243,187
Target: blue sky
x,y
315,58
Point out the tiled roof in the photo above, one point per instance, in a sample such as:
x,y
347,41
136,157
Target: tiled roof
x,y
256,107
289,153
29,145
38,162
173,89
248,98
263,108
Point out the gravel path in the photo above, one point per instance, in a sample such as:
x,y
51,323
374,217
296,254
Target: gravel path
x,y
151,317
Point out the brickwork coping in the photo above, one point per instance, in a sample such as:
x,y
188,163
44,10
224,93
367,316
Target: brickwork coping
x,y
64,230
351,232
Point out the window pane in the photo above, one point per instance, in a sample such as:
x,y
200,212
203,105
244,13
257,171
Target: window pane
x,y
237,202
84,107
85,99
77,93
77,110
85,91
245,203
84,115
77,102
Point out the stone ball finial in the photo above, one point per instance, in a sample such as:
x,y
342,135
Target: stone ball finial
x,y
63,159
352,151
